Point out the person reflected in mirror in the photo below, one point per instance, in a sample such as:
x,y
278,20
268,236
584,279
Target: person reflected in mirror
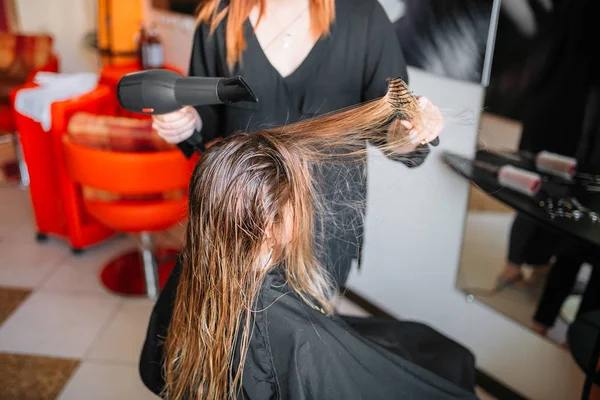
x,y
568,72
571,256
529,244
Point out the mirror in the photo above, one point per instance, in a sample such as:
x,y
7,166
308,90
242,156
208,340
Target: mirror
x,y
451,38
506,257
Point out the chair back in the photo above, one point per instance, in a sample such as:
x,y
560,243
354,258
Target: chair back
x,y
127,173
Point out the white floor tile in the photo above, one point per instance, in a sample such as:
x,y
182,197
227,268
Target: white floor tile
x,y
15,210
17,228
23,232
122,340
14,199
57,324
28,264
98,381
81,273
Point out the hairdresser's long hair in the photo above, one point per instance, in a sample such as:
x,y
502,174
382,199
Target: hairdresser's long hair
x,y
322,15
241,192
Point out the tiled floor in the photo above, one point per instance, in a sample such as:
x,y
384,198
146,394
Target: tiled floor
x,y
62,335
90,339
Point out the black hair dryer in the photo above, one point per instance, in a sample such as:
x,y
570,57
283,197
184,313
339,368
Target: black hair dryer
x,y
160,91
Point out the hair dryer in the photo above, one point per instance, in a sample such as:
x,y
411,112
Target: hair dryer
x,y
160,91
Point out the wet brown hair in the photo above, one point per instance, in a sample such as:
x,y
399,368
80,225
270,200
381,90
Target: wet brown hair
x,y
241,192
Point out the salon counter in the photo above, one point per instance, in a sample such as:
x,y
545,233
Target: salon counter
x,y
584,230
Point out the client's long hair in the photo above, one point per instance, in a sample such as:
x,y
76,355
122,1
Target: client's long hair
x,y
241,192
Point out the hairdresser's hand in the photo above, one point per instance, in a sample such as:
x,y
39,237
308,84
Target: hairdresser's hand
x,y
177,126
428,127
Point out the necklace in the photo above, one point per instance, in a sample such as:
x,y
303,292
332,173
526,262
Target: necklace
x,y
286,39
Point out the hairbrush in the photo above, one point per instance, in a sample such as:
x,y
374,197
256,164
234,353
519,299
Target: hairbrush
x,y
404,102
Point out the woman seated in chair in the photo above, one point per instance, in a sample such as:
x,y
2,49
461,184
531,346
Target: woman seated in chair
x,y
252,317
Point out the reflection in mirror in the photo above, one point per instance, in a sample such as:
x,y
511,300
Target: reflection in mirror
x,y
531,257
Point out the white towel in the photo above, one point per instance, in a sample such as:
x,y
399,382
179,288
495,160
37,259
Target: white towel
x,y
35,102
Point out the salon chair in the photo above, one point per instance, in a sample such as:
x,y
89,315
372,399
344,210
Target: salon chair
x,y
146,192
56,201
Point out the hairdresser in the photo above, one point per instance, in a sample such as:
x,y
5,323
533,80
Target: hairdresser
x,y
302,58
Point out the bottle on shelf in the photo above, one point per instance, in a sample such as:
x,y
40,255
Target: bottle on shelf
x,y
141,41
153,50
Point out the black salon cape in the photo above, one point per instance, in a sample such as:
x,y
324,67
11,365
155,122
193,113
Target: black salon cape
x,y
298,353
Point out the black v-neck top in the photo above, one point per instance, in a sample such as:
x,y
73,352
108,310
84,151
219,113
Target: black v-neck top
x,y
349,66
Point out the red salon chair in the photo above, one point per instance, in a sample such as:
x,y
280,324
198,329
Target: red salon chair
x,y
138,182
56,201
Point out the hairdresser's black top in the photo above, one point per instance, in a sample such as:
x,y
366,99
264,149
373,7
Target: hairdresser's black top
x,y
348,67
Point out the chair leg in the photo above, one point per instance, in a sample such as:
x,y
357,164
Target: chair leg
x,y
21,160
150,266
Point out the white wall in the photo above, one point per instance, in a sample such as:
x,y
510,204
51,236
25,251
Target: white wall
x,y
414,231
67,21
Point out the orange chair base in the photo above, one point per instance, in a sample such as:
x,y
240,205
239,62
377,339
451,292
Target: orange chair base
x,y
125,274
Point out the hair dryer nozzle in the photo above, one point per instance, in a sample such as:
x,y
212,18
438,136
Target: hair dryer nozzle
x,y
231,90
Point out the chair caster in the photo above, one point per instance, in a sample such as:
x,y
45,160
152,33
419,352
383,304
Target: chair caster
x,y
76,251
41,237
